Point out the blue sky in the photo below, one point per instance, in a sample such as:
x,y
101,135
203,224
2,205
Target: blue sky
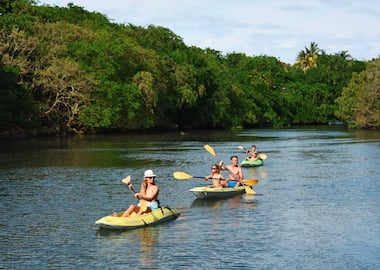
x,y
255,27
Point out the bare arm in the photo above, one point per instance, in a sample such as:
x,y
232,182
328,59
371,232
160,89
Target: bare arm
x,y
151,195
241,174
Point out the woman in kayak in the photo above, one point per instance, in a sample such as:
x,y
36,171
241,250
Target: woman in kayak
x,y
148,196
218,180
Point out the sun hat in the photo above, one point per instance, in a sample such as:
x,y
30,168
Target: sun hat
x,y
149,173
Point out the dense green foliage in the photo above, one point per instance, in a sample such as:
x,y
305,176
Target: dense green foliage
x,y
68,70
359,104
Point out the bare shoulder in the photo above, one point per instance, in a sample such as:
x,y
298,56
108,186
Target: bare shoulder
x,y
153,188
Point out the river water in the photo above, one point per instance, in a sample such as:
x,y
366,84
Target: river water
x,y
317,204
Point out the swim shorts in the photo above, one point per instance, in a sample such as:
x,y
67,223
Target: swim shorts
x,y
231,183
153,205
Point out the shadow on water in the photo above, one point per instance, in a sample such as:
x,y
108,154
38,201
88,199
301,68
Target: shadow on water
x,y
210,203
104,232
237,201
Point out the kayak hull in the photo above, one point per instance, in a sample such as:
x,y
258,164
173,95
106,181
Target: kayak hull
x,y
210,192
160,215
250,163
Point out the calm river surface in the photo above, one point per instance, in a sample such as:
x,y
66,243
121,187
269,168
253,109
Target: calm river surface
x,y
317,204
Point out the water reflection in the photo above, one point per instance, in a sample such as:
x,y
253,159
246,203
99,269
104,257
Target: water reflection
x,y
245,200
208,203
139,243
149,239
255,173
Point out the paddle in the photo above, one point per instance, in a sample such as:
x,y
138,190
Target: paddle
x,y
211,150
127,181
262,156
186,176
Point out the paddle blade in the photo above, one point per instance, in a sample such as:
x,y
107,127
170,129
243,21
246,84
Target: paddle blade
x,y
182,175
126,180
249,191
143,205
250,182
263,156
210,150
240,147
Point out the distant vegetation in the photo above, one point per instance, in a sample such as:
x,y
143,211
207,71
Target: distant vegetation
x,y
67,70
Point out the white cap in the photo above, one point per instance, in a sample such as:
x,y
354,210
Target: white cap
x,y
149,173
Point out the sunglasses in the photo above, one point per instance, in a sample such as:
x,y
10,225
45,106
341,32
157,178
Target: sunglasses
x,y
213,168
151,177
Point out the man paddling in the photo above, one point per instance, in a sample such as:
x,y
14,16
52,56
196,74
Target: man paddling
x,y
235,173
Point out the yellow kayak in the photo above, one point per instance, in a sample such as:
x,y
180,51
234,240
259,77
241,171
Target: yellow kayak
x,y
207,192
157,216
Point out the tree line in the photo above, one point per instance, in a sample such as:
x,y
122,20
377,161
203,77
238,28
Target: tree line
x,y
68,70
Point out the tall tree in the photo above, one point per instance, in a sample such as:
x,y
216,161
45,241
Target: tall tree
x,y
307,58
359,104
344,54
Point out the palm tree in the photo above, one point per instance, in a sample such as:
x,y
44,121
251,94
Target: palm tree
x,y
344,54
308,58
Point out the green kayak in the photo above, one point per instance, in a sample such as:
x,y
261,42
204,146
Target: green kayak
x,y
252,163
